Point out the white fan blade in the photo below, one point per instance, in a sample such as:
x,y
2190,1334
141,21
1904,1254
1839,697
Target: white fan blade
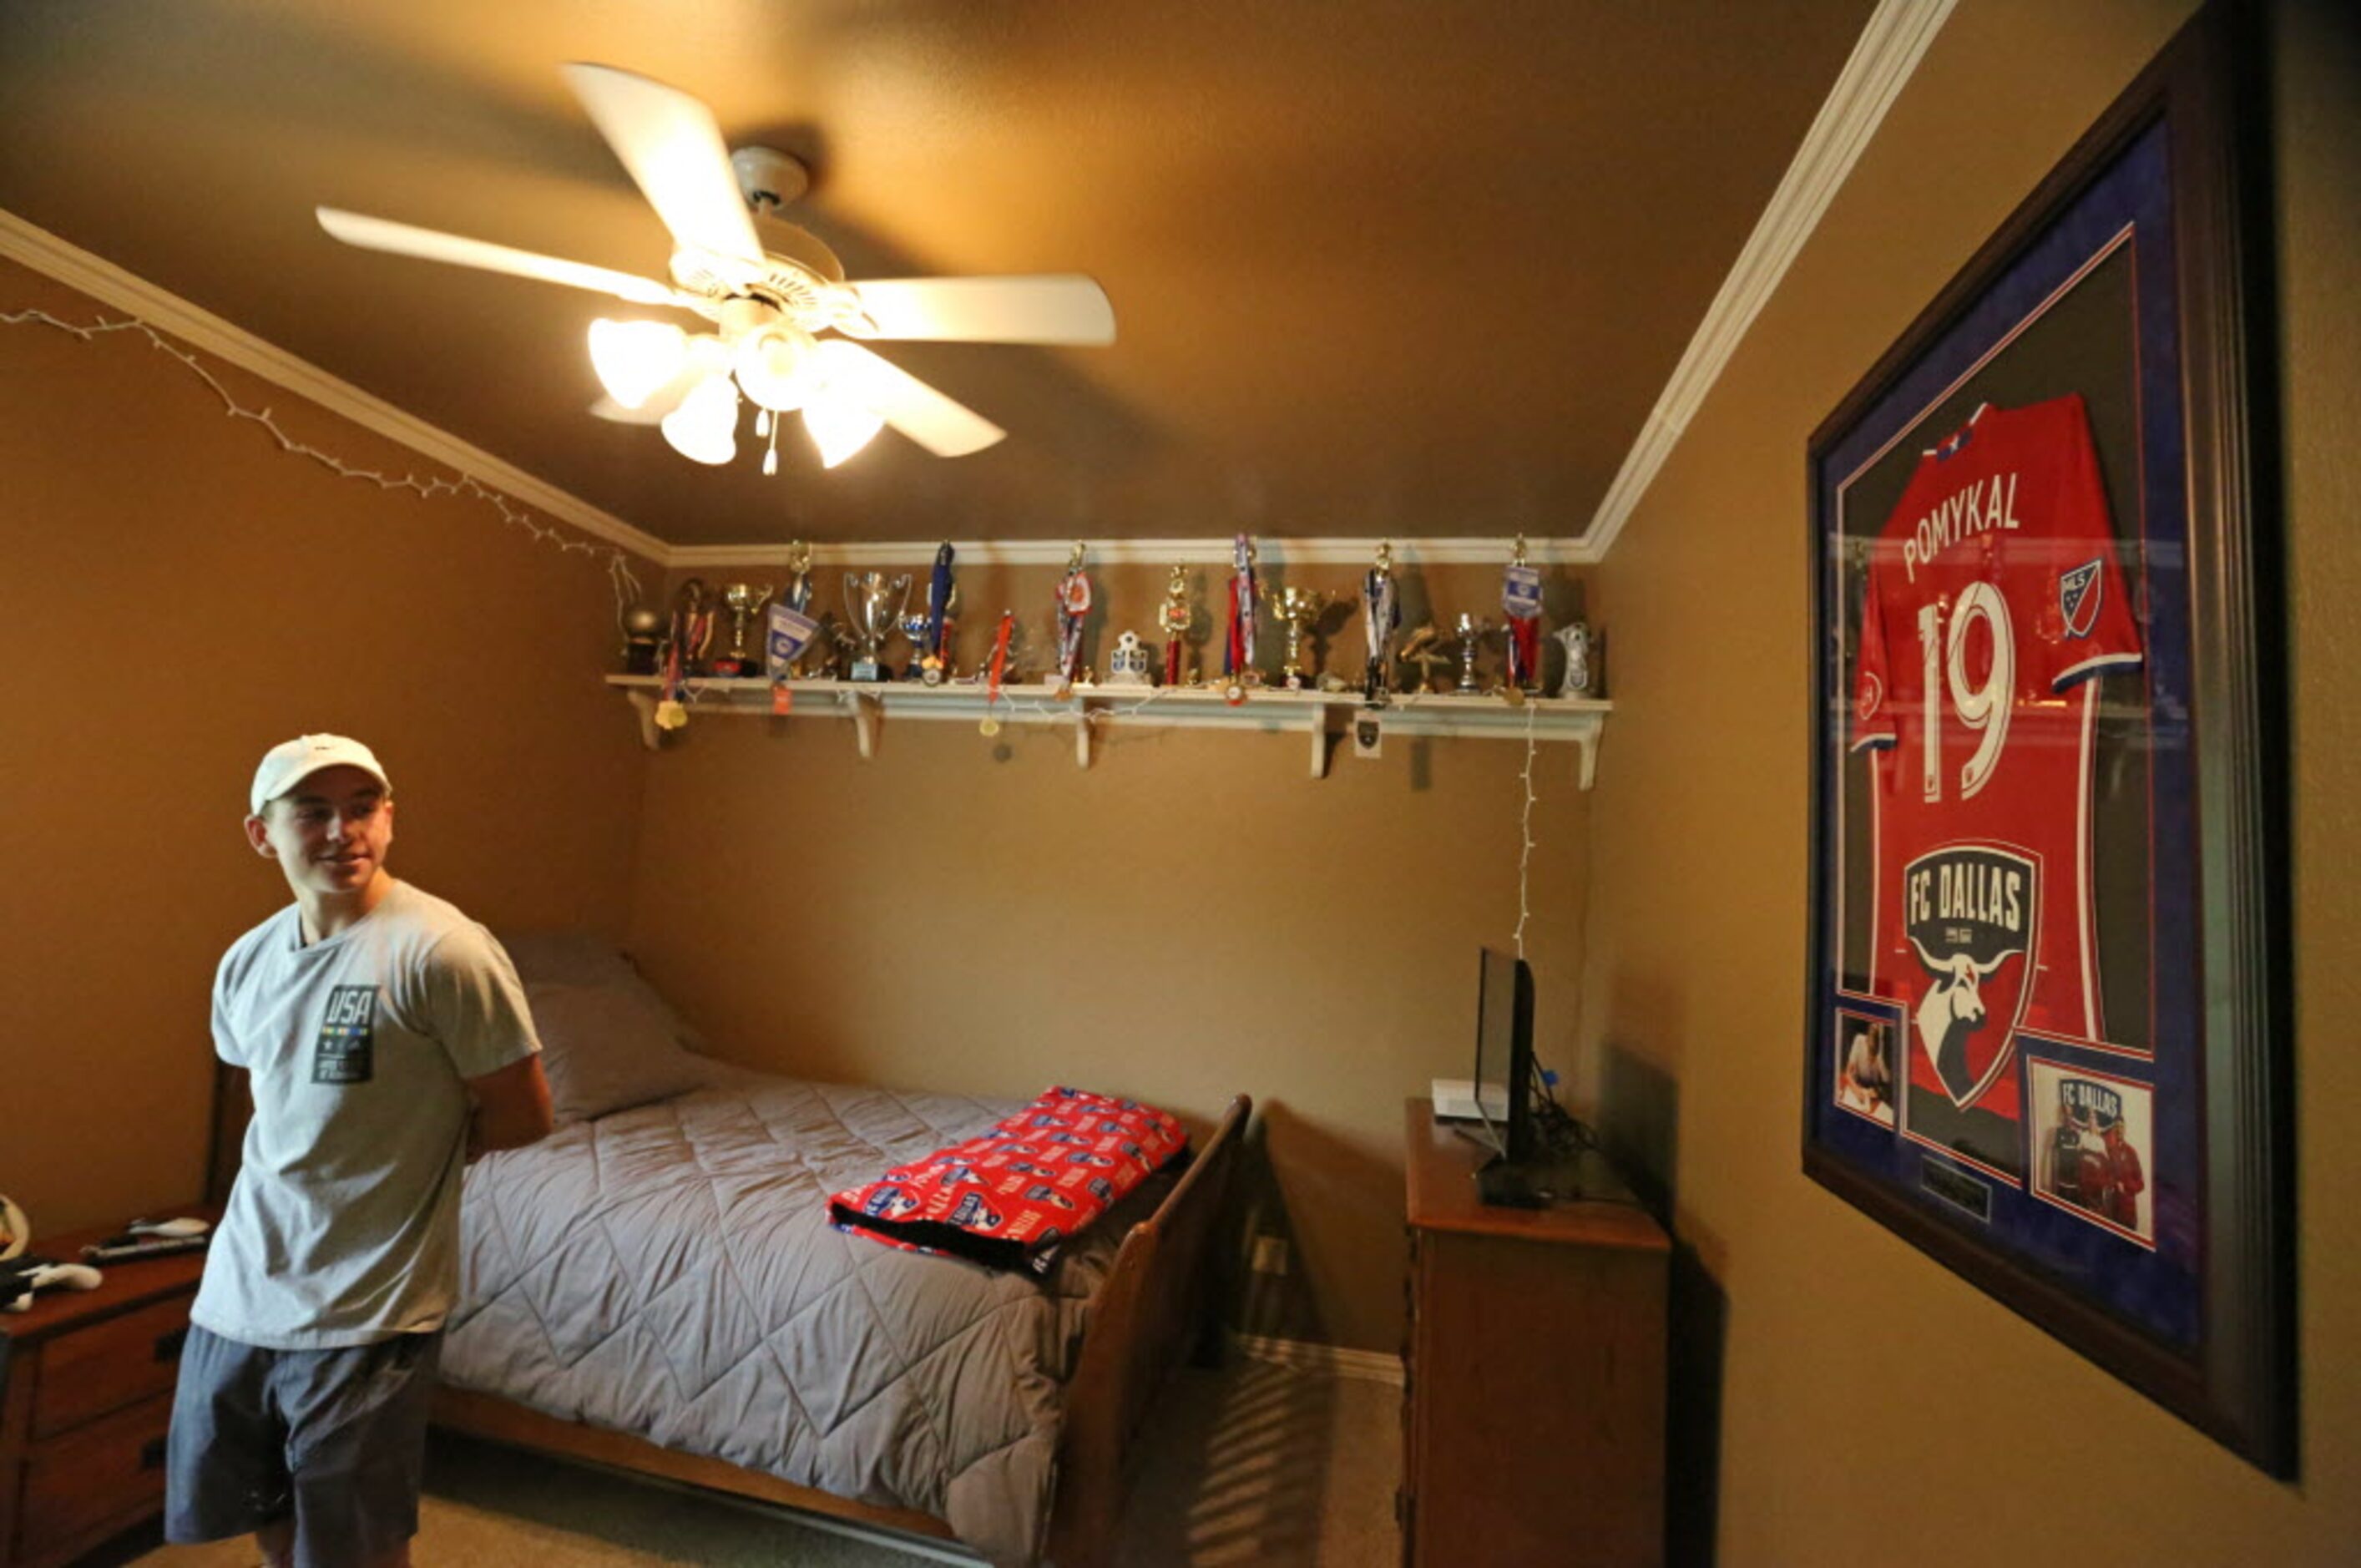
x,y
403,239
672,147
1052,308
942,426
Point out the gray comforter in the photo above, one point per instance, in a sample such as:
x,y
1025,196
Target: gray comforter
x,y
670,1271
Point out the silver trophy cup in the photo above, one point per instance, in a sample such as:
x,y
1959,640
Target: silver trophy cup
x,y
873,603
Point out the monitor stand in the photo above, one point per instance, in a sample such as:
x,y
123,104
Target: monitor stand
x,y
1503,1185
1533,1184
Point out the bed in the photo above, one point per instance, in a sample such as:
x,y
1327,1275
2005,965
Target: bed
x,y
657,1287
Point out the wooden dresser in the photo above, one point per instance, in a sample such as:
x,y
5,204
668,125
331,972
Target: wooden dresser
x,y
1534,1420
86,1383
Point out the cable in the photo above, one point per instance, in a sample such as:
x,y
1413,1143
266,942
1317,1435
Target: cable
x,y
619,571
1525,830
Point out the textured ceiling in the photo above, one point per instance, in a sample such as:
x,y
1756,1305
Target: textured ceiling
x,y
1393,267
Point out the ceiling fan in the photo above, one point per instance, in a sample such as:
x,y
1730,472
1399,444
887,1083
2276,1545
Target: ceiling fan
x,y
785,318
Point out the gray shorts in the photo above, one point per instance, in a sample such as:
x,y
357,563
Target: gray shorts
x,y
334,1439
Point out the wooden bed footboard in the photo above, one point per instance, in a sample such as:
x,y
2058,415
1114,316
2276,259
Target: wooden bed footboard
x,y
1139,1332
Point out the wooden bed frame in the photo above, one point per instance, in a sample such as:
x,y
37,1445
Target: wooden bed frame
x,y
1139,1332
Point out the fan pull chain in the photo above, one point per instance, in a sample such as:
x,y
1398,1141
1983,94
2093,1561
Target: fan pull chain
x,y
771,454
762,422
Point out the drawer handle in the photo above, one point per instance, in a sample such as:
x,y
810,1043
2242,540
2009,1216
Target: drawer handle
x,y
151,1455
167,1347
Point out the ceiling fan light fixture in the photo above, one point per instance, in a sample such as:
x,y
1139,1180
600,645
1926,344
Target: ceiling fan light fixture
x,y
840,427
776,367
636,359
704,429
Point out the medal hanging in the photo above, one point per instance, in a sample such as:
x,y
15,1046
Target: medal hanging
x,y
1520,597
671,712
991,725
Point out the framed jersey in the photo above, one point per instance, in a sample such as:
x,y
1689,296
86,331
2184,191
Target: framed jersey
x,y
2047,1031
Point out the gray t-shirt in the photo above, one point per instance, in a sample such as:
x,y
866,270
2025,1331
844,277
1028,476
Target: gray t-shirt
x,y
343,1227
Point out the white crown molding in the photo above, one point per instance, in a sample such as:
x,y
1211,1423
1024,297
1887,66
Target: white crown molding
x,y
1888,49
201,329
1408,553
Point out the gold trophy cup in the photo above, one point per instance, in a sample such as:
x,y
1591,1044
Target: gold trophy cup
x,y
1296,608
744,602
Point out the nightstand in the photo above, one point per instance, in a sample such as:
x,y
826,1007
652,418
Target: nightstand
x,y
1534,1418
86,1383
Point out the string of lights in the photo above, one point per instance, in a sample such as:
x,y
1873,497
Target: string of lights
x,y
466,487
1525,829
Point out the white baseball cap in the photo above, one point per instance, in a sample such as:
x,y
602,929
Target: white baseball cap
x,y
290,763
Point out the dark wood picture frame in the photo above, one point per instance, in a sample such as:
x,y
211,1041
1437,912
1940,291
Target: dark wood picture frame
x,y
2137,996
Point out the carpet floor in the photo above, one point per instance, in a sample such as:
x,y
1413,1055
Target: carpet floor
x,y
1252,1463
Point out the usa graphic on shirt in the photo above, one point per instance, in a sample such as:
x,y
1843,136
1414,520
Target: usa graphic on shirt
x,y
1993,598
346,1048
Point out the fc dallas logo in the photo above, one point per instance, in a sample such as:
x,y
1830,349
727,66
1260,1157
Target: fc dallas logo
x,y
1970,910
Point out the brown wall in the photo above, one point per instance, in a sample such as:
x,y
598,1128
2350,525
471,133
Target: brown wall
x,y
179,594
1866,1396
1192,917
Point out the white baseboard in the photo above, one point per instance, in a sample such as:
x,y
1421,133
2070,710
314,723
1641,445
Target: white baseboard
x,y
1369,1366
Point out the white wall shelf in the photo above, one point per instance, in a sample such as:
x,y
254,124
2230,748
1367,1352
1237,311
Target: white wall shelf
x,y
1323,716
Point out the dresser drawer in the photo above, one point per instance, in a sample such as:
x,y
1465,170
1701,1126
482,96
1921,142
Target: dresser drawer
x,y
108,1471
109,1365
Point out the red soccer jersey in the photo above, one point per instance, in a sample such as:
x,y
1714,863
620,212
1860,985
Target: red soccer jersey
x,y
1993,596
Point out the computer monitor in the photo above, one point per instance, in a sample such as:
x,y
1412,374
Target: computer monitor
x,y
1504,1054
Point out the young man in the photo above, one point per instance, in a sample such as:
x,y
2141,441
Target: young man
x,y
385,1041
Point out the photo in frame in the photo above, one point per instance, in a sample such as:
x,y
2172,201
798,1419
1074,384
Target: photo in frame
x,y
2047,1039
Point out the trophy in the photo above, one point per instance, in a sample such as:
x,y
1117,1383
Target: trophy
x,y
744,602
798,597
1384,614
1422,648
643,634
1297,608
872,602
1175,618
1520,600
1127,665
691,632
930,647
1073,593
1470,632
912,625
1575,638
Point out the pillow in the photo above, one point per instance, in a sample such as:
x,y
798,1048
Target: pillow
x,y
578,958
608,1047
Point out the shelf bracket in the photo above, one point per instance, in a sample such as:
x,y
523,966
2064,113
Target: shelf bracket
x,y
865,709
1322,742
644,705
1081,735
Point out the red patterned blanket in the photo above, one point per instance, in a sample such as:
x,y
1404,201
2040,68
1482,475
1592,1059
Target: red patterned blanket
x,y
1006,1198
